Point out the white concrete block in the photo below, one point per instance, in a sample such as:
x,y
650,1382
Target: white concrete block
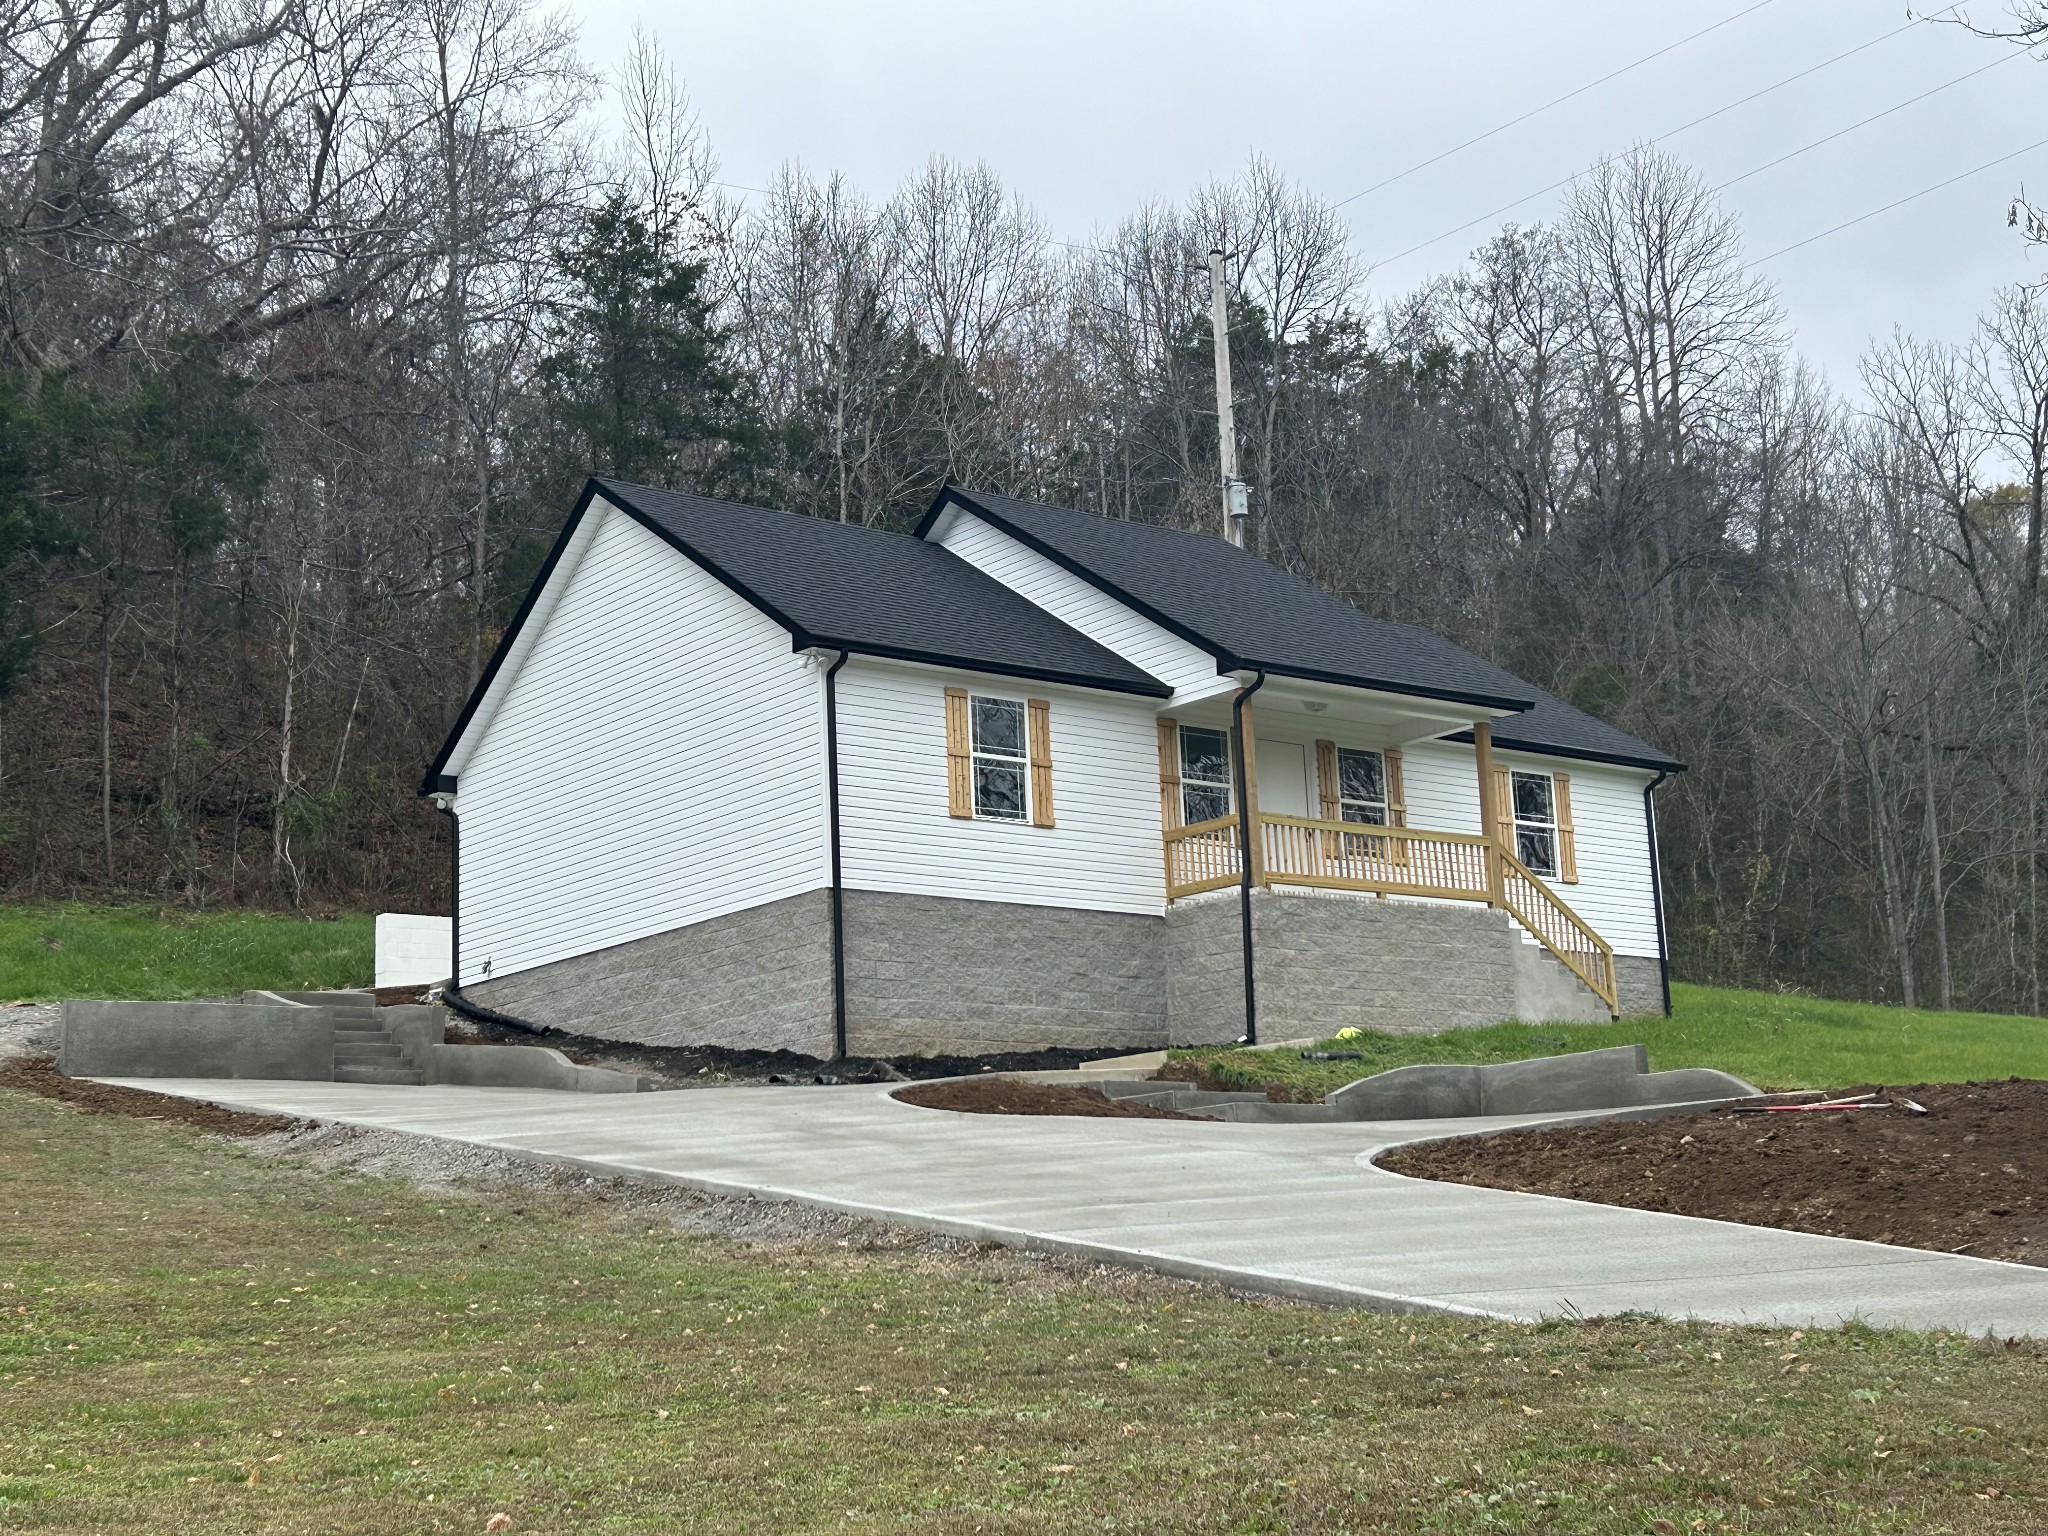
x,y
414,950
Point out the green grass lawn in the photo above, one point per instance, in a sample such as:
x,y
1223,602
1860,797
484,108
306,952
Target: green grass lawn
x,y
49,953
1774,1040
193,1338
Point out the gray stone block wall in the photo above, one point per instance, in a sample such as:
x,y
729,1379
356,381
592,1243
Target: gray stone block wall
x,y
759,979
1328,962
941,974
1639,986
1204,942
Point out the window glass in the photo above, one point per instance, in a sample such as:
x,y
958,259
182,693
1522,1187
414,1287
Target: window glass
x,y
1535,819
1204,774
1361,786
999,761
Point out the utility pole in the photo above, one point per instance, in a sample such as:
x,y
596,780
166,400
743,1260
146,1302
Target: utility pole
x,y
1236,499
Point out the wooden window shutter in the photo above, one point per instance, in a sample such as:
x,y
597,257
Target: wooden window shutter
x,y
1567,840
1326,780
1039,723
1169,774
1397,800
1503,808
959,765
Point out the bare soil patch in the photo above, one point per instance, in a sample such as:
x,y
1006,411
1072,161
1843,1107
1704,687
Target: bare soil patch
x,y
39,1075
1970,1176
1014,1096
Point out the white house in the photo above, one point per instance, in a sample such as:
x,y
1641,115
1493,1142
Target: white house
x,y
746,778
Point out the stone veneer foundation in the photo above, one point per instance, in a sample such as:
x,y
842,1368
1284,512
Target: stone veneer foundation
x,y
941,974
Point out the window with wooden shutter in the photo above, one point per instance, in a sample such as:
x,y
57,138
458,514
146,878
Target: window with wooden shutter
x,y
1041,761
1169,774
959,771
1326,779
1567,839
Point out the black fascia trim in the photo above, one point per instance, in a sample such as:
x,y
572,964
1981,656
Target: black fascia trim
x,y
1406,690
1150,689
592,488
1663,765
1226,661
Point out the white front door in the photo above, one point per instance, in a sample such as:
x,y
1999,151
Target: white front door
x,y
1283,778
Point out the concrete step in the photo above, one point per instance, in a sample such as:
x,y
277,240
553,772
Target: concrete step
x,y
375,1054
361,1036
397,1076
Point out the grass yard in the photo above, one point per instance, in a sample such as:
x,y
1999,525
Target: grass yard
x,y
49,953
194,1338
1774,1040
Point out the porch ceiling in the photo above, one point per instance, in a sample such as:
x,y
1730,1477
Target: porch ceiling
x,y
1383,719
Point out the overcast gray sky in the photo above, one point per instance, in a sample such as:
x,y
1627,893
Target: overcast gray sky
x,y
1088,108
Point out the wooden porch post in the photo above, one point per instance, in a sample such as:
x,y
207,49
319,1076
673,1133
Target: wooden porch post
x,y
1489,818
1248,750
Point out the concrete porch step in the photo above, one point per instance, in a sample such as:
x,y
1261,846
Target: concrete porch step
x,y
350,1072
367,1053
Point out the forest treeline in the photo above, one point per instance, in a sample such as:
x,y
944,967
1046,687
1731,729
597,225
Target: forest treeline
x,y
316,314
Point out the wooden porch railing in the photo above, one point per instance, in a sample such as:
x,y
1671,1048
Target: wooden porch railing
x,y
1392,861
1563,932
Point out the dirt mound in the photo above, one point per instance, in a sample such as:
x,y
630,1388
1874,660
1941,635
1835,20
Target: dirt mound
x,y
1013,1096
1969,1176
39,1074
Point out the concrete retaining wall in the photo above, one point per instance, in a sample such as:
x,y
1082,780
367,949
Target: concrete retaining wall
x,y
245,1040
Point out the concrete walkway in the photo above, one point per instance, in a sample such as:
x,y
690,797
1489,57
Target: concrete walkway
x,y
1289,1210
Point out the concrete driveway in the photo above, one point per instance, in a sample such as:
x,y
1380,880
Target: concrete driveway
x,y
1292,1210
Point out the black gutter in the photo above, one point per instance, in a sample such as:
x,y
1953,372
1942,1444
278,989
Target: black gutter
x,y
1657,887
1148,688
447,808
1246,831
838,883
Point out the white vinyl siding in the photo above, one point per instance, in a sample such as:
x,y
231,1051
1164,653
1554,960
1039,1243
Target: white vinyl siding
x,y
896,834
1077,604
1613,893
657,760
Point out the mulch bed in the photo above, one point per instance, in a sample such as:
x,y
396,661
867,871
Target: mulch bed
x,y
39,1075
685,1063
1970,1176
1013,1096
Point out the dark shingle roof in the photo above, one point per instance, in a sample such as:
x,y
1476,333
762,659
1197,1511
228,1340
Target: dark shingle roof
x,y
1557,728
877,593
1248,612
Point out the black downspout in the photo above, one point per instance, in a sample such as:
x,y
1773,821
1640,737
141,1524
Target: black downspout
x,y
838,884
447,808
1657,888
1245,833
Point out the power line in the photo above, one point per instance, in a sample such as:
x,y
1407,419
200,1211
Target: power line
x,y
1910,197
1866,122
1670,133
1557,101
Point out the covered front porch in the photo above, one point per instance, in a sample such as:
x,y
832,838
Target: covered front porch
x,y
1315,773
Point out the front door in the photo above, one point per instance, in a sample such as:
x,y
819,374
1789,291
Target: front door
x,y
1283,778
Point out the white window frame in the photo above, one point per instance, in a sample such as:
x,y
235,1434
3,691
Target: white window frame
x,y
1346,805
1227,783
1547,829
1021,760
